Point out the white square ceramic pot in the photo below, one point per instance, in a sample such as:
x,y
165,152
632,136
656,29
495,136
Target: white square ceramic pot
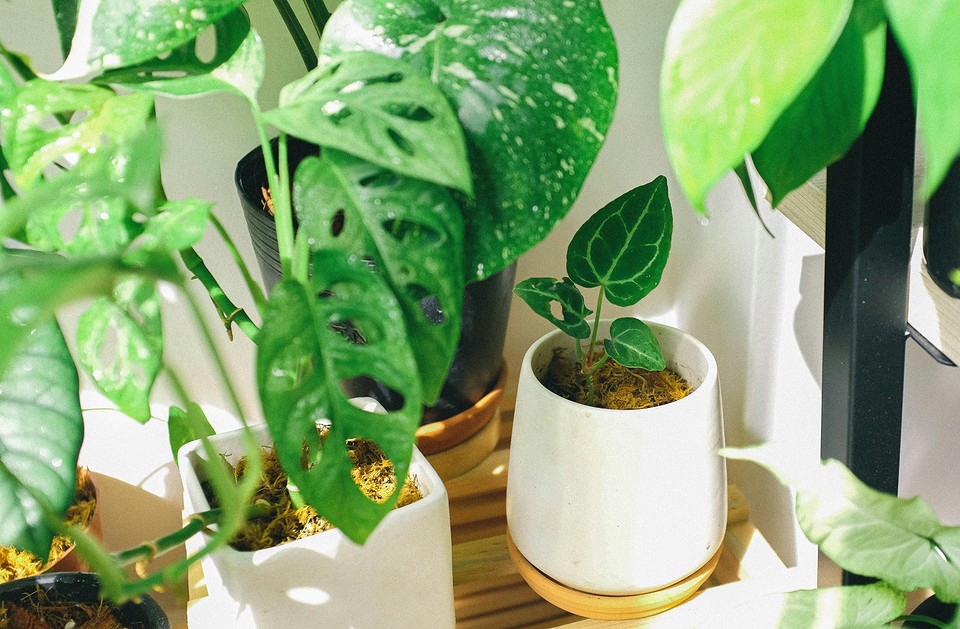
x,y
401,577
618,502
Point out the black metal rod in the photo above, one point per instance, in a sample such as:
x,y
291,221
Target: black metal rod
x,y
869,201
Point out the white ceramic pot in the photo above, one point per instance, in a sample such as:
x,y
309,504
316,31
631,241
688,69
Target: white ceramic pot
x,y
618,502
401,577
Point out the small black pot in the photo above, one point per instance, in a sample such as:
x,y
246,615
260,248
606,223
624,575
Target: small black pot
x,y
84,587
486,304
932,608
941,232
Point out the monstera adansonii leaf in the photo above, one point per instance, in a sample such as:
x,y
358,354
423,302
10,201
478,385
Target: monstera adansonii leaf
x,y
303,359
534,85
411,231
41,429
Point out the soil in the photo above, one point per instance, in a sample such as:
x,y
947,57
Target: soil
x,y
616,387
16,563
42,612
372,472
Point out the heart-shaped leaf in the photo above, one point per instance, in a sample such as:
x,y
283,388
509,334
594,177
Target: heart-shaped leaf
x,y
117,33
623,246
41,429
534,84
301,362
120,345
410,229
633,344
721,93
381,110
187,425
865,531
541,292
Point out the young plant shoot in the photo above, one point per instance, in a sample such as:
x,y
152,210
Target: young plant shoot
x,y
622,249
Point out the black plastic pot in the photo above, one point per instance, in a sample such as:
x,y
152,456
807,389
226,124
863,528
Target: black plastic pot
x,y
486,308
84,587
941,233
932,608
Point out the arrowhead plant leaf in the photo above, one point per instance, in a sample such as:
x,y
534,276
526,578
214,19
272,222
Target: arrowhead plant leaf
x,y
541,292
187,425
633,344
871,606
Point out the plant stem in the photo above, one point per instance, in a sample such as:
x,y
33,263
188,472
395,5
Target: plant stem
x,y
296,31
301,259
229,313
177,383
282,212
319,14
593,333
259,299
926,619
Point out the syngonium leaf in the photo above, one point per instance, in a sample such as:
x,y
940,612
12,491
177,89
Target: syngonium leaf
x,y
633,344
118,33
926,34
41,429
301,362
541,292
120,345
721,94
623,247
379,109
184,426
821,124
534,84
410,229
865,531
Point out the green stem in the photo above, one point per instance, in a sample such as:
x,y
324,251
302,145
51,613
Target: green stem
x,y
926,619
283,217
301,259
296,31
177,383
593,332
229,313
259,299
319,14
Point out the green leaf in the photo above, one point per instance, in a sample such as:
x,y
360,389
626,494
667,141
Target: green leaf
x,y
101,227
65,12
41,429
633,344
118,33
831,112
177,225
867,532
534,84
410,229
301,361
624,246
31,146
730,69
6,190
381,110
185,426
853,607
120,345
541,292
237,66
926,33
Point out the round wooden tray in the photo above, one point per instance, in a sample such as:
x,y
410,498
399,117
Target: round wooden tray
x,y
605,607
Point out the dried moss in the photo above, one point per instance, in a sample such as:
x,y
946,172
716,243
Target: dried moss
x,y
40,611
617,387
16,563
372,472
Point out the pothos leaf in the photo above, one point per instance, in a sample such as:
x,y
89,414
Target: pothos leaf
x,y
623,247
301,362
381,110
633,344
120,345
410,229
41,429
865,531
541,292
117,33
534,84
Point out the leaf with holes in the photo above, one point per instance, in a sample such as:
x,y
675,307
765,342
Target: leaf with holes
x,y
100,226
177,225
120,345
302,361
41,429
411,230
541,292
865,531
31,146
633,344
623,246
237,66
534,84
117,33
381,110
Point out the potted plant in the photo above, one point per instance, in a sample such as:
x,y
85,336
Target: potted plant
x,y
80,156
622,507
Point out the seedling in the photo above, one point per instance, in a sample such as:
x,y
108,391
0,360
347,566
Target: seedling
x,y
622,249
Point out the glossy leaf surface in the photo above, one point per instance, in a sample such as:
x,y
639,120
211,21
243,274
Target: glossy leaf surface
x,y
633,344
541,292
534,85
412,232
623,247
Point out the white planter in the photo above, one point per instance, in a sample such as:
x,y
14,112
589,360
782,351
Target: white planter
x,y
618,502
401,577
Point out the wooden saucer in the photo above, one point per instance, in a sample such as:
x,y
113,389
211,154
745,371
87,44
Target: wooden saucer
x,y
605,607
